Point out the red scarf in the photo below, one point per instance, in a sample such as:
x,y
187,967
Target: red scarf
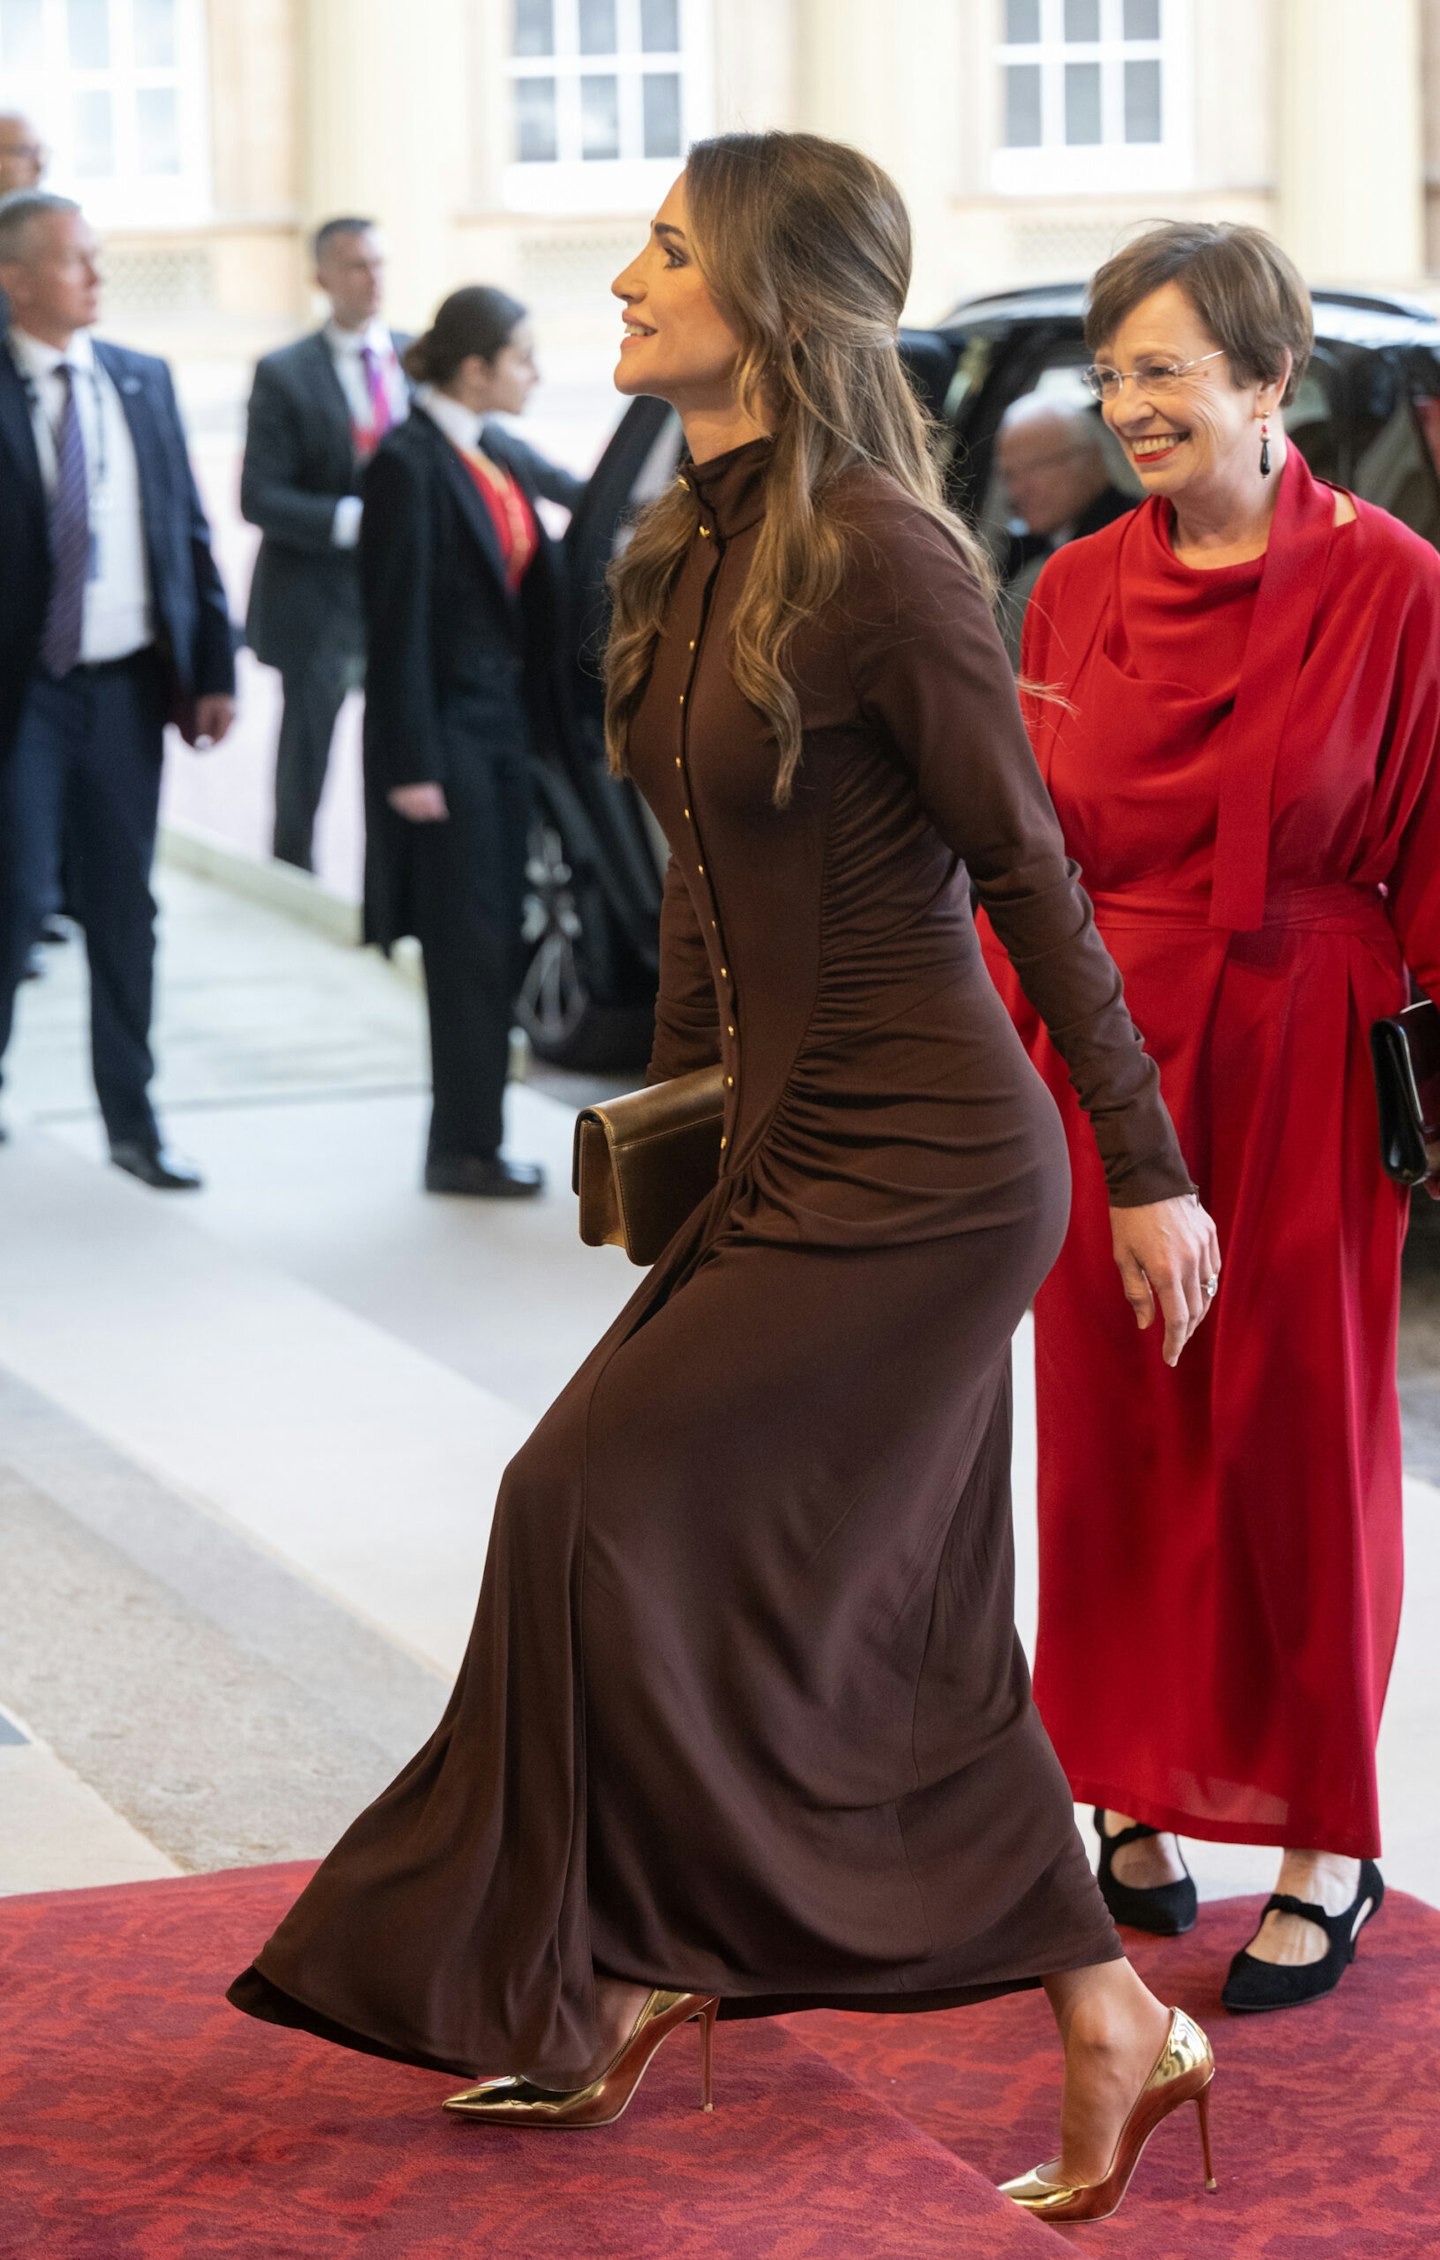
x,y
1275,648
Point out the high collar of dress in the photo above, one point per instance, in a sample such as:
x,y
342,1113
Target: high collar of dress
x,y
730,488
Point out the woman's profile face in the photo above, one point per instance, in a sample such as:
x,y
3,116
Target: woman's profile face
x,y
677,344
1202,429
514,372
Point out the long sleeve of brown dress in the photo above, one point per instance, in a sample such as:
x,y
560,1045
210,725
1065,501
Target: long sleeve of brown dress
x,y
744,1709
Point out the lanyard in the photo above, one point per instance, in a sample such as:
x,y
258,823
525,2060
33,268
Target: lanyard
x,y
96,472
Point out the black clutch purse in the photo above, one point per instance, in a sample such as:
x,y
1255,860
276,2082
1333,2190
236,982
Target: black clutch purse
x,y
1406,1054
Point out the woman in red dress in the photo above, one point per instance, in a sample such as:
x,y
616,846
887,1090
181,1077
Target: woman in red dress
x,y
1242,756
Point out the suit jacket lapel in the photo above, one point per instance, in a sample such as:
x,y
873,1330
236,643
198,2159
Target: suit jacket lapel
x,y
17,433
148,441
329,392
476,515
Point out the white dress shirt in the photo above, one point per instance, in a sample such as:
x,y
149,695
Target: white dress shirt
x,y
461,425
119,616
346,349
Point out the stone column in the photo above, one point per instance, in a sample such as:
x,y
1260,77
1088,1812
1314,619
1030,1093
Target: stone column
x,y
888,79
385,106
1350,193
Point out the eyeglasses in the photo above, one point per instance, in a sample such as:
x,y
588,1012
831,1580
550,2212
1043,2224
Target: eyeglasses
x,y
1153,377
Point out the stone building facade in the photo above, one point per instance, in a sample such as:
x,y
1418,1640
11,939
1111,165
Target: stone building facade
x,y
526,141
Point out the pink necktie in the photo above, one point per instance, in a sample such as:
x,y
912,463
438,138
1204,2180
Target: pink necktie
x,y
380,418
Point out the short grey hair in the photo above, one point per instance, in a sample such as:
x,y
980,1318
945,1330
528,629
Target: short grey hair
x,y
18,214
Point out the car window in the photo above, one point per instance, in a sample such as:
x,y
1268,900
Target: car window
x,y
1058,381
1371,422
658,468
1397,467
1312,423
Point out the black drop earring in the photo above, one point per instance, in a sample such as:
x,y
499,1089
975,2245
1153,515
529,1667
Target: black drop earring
x,y
1264,451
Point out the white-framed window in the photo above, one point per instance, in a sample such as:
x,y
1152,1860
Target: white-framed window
x,y
1094,95
605,98
119,92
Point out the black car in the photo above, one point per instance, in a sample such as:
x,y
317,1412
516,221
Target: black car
x,y
1367,415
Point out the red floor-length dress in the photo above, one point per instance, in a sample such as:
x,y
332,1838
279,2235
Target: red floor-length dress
x,y
1221,1554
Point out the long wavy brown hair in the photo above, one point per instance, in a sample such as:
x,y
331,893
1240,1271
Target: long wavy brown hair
x,y
805,247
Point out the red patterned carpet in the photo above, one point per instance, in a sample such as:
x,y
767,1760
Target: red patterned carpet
x,y
1325,2120
142,2119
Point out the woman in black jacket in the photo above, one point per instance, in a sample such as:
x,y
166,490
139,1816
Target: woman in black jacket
x,y
459,582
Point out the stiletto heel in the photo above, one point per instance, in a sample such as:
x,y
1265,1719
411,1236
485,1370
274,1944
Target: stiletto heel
x,y
518,2102
1202,2112
1182,2074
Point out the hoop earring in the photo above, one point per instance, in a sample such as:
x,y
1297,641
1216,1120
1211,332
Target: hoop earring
x,y
1264,450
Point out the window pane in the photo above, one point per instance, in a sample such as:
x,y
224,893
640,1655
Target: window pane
x,y
1142,19
660,26
158,119
1082,20
22,36
597,27
535,142
1082,102
1142,102
599,117
94,136
535,27
662,113
1022,105
155,35
89,35
1022,22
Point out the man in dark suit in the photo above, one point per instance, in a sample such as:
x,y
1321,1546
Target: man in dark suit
x,y
318,411
112,619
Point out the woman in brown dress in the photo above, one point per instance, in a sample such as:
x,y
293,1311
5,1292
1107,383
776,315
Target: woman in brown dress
x,y
744,1719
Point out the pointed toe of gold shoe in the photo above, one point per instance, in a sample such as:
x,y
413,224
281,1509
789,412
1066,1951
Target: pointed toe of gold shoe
x,y
510,2099
516,2102
1035,2192
1182,2074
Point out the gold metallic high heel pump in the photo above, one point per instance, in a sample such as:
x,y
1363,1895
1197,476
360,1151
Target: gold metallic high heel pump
x,y
517,2102
1182,2074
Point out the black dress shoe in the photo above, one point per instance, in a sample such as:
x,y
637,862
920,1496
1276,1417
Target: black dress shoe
x,y
485,1177
157,1165
1253,1985
1167,1910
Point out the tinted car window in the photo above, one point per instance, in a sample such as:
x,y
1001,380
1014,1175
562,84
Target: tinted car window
x,y
1057,380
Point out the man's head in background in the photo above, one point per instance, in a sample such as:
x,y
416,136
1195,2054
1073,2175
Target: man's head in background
x,y
350,269
22,153
49,265
1051,457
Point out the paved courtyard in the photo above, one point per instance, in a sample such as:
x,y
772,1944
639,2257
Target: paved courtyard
x,y
250,1439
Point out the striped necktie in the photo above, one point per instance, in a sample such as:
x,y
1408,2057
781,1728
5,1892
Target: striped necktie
x,y
69,539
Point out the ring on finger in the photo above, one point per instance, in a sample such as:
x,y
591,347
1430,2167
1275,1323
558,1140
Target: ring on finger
x,y
1211,1285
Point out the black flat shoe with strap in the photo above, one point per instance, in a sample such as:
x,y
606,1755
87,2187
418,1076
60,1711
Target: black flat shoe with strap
x,y
1253,1985
1167,1910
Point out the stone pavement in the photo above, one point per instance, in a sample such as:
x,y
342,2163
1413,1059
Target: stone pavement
x,y
249,1439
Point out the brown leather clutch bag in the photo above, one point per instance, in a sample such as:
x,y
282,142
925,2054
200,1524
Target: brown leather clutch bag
x,y
643,1162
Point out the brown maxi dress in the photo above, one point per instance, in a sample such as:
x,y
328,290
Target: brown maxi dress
x,y
744,1710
